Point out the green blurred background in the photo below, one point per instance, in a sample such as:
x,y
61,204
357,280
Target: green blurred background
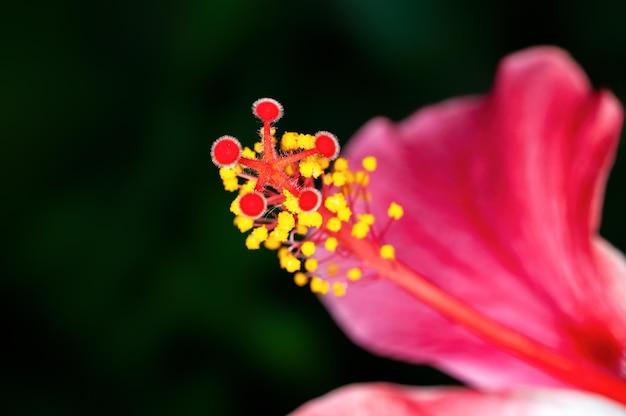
x,y
125,288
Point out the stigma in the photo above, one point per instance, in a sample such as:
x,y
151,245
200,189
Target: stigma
x,y
296,195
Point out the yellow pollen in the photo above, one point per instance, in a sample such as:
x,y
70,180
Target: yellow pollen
x,y
341,164
227,173
301,229
290,263
300,279
247,187
344,214
331,244
306,141
369,163
271,243
366,218
395,211
258,147
243,223
334,224
339,179
285,221
310,265
339,289
311,219
289,141
308,248
334,202
387,252
231,185
291,202
354,274
279,235
360,230
310,168
361,178
332,269
249,153
256,237
319,286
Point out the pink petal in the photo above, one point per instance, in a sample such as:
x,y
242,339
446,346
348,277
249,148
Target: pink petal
x,y
502,196
381,399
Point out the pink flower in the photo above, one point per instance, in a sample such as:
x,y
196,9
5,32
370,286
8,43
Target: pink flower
x,y
381,399
474,247
502,195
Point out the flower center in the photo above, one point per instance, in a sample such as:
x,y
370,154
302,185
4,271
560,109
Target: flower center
x,y
294,200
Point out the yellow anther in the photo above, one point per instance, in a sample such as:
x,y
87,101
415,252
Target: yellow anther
x,y
306,141
301,229
344,214
395,211
339,179
290,263
354,273
243,223
227,173
341,164
369,163
291,202
308,248
334,224
360,230
285,221
300,279
366,218
256,237
327,179
279,235
234,206
319,286
231,185
247,187
311,219
331,244
310,168
310,265
258,147
362,178
271,243
289,141
387,252
323,162
334,202
339,289
332,269
249,153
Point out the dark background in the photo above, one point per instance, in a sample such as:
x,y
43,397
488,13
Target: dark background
x,y
125,289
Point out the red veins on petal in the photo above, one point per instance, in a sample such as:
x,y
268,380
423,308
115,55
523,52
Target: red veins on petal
x,y
502,197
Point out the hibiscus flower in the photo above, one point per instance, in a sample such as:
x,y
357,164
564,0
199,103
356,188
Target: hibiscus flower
x,y
469,241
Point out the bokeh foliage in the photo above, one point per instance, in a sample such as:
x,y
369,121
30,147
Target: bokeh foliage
x,y
125,288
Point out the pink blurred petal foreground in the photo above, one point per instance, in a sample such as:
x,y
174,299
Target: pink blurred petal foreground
x,y
382,399
503,195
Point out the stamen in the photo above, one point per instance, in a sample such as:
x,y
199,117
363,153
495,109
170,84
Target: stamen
x,y
295,201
